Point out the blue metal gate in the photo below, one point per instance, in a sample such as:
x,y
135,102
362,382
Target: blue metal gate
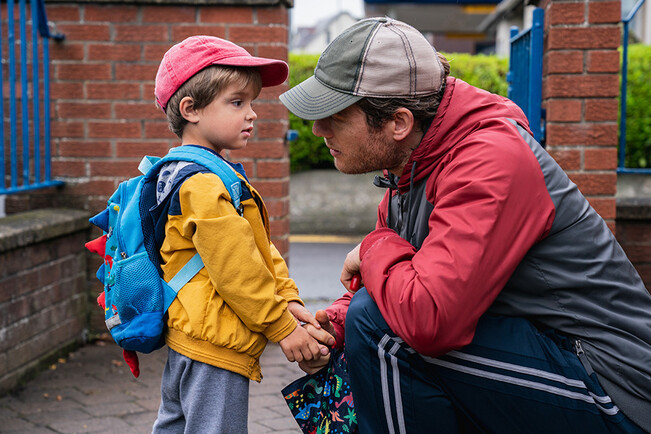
x,y
627,17
525,73
25,147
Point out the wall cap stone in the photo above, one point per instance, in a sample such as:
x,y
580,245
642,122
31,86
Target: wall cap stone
x,y
634,208
22,229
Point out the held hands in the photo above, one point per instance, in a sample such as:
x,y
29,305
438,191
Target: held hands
x,y
324,334
301,344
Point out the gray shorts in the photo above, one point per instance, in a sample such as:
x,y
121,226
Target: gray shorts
x,y
200,398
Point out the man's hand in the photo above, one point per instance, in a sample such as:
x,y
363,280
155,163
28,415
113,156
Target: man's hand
x,y
326,335
299,346
351,267
312,366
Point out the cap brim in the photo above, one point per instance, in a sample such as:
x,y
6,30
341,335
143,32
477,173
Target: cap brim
x,y
272,72
312,100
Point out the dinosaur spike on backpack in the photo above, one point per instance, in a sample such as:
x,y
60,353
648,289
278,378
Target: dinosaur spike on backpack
x,y
98,245
101,220
131,357
101,274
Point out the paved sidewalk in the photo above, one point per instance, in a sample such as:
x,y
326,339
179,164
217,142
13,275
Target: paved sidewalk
x,y
93,391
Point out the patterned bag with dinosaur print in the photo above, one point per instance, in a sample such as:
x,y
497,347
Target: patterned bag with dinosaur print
x,y
322,403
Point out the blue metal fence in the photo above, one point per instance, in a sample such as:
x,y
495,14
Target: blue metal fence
x,y
25,139
525,73
626,19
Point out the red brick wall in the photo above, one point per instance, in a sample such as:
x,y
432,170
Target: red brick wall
x,y
43,297
634,234
580,89
104,117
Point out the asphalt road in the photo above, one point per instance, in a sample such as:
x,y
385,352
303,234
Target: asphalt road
x,y
315,265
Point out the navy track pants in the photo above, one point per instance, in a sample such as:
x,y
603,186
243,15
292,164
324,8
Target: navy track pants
x,y
512,378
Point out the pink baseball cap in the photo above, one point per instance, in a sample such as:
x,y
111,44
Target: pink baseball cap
x,y
195,53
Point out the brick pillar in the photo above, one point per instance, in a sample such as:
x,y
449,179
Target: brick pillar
x,y
103,114
580,90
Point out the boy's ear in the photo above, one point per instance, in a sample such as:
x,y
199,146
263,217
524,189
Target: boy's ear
x,y
186,107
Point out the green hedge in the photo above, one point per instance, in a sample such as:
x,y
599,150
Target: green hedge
x,y
638,107
489,72
308,151
485,72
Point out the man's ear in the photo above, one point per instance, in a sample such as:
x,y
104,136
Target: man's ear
x,y
189,113
402,123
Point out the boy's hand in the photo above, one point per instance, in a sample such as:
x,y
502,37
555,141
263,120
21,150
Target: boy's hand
x,y
299,346
301,313
313,325
324,334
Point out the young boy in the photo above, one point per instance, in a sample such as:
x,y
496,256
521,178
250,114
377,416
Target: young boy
x,y
221,320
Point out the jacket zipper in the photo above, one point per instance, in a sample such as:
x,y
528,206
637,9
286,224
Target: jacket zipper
x,y
578,348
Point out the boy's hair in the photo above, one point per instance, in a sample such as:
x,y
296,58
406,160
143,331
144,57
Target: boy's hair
x,y
204,86
379,110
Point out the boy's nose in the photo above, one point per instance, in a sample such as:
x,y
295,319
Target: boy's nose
x,y
253,115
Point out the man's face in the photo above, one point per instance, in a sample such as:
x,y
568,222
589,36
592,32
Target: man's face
x,y
356,147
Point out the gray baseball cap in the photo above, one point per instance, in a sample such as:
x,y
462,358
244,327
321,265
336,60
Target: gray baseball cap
x,y
375,57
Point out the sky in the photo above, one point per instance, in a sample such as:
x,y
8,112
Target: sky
x,y
308,12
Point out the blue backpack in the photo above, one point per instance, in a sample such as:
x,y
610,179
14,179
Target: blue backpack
x,y
136,297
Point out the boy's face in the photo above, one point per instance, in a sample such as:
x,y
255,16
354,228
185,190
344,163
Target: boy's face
x,y
227,122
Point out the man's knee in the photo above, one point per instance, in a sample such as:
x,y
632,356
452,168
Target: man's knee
x,y
361,301
363,318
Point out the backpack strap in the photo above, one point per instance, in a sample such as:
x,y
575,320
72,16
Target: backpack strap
x,y
147,163
210,161
150,166
185,274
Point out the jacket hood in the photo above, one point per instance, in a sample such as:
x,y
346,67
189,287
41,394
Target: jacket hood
x,y
462,110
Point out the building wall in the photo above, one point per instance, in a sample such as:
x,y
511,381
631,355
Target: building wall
x,y
320,37
641,24
103,122
104,117
634,233
43,297
580,90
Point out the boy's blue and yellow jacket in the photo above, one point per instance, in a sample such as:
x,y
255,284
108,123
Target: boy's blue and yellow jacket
x,y
227,312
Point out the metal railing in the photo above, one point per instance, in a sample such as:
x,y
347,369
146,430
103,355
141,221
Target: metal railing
x,y
621,168
28,135
525,73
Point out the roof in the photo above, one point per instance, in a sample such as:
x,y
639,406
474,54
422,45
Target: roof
x,y
305,35
503,9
